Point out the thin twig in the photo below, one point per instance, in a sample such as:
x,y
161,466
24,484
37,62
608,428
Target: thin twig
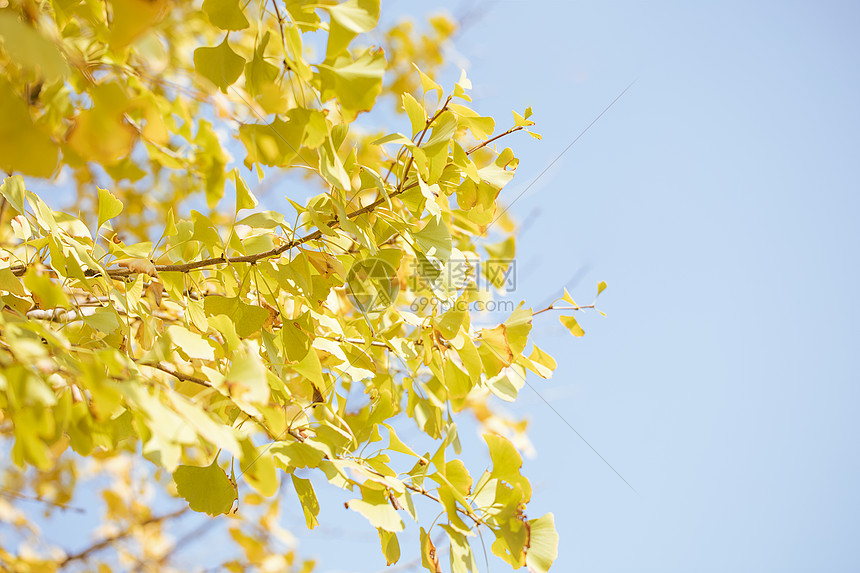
x,y
492,139
551,307
21,496
179,375
83,554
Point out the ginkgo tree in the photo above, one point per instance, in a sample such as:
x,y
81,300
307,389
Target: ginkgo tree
x,y
249,356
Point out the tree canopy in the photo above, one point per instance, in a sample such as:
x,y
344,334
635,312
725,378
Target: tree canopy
x,y
161,313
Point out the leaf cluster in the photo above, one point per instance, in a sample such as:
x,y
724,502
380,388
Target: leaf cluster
x,y
232,347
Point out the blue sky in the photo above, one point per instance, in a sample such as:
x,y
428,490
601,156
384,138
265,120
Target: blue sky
x,y
719,200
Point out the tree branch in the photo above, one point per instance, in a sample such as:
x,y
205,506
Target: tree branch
x,y
98,546
21,496
179,375
492,139
551,307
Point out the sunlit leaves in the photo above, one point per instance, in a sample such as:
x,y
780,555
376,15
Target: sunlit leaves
x,y
247,333
206,489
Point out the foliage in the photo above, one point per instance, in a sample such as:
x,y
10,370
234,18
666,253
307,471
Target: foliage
x,y
231,346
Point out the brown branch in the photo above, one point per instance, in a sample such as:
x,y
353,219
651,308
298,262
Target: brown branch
x,y
179,375
98,546
551,307
21,496
492,139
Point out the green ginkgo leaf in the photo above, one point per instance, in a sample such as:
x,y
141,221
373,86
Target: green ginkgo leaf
x,y
206,489
226,14
220,65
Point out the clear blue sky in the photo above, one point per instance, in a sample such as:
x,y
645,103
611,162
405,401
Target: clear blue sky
x,y
719,199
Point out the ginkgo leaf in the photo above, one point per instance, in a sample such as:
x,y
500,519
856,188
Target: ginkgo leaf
x,y
434,239
390,546
308,500
355,84
246,379
226,14
14,192
247,318
375,506
276,143
601,286
206,489
293,455
220,64
102,319
543,544
10,283
192,344
429,556
415,112
244,198
570,323
131,18
258,469
356,15
109,207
